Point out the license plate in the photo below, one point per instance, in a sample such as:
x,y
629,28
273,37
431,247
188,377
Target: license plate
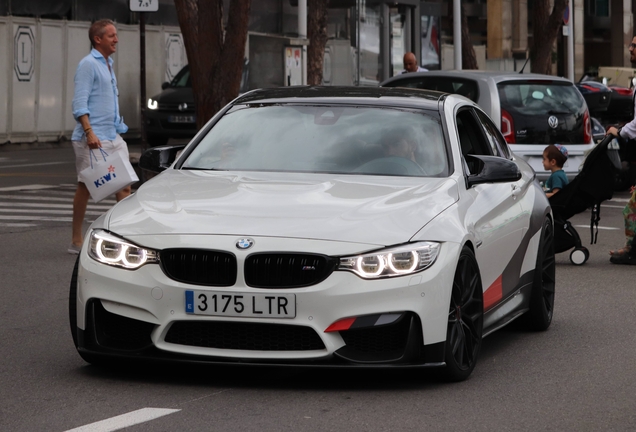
x,y
181,119
254,305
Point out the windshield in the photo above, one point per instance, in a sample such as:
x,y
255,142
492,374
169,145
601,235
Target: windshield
x,y
324,139
540,97
182,79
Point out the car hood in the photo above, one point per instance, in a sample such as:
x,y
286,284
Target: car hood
x,y
361,209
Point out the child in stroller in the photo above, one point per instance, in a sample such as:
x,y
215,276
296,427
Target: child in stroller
x,y
554,157
593,185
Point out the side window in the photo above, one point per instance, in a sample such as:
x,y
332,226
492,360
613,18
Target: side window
x,y
471,139
496,141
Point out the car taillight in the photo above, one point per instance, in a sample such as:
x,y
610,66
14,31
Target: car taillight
x,y
622,91
507,127
587,127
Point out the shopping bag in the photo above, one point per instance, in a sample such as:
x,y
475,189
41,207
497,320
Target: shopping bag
x,y
107,174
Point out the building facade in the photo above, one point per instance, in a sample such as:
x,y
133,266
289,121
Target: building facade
x,y
41,42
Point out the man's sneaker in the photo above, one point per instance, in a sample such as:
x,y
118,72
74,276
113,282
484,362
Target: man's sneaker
x,y
74,250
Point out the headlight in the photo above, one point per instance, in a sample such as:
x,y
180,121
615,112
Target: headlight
x,y
109,249
153,104
399,261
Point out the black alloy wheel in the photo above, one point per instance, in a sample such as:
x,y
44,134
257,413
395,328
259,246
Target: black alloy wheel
x,y
465,319
539,317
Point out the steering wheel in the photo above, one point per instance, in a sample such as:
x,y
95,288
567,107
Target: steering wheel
x,y
392,165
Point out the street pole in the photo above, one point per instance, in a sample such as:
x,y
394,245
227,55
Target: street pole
x,y
457,33
142,77
571,42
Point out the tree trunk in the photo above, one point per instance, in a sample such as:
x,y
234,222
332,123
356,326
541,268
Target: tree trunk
x,y
546,28
317,35
469,58
215,56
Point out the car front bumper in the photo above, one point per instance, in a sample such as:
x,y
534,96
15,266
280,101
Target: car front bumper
x,y
130,314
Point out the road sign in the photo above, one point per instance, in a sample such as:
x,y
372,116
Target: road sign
x,y
566,15
144,5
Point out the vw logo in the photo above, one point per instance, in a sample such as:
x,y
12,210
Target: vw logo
x,y
244,243
553,122
183,106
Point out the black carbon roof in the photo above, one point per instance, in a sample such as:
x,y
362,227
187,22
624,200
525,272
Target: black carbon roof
x,y
376,95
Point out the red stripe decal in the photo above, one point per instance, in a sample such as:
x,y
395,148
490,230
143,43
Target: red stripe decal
x,y
493,294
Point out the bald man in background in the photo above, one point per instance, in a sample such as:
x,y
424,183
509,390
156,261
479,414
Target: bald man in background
x,y
410,64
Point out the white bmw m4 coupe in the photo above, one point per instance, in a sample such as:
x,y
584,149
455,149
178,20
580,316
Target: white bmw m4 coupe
x,y
321,226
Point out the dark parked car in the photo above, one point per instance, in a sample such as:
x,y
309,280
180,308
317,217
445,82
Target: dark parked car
x,y
597,96
172,113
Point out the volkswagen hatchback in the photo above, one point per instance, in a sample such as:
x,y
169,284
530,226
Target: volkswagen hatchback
x,y
531,110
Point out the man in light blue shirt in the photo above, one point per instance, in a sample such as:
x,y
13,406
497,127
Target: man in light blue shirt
x,y
96,109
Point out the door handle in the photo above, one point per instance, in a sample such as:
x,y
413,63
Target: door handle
x,y
516,191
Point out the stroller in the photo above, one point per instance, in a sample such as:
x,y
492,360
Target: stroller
x,y
593,185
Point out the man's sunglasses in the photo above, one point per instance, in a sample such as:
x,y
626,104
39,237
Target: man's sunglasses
x,y
632,45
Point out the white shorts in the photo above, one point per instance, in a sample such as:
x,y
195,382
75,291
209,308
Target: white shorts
x,y
82,153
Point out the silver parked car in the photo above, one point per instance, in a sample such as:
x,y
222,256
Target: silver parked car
x,y
531,110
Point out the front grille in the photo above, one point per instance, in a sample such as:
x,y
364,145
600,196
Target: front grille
x,y
378,340
287,270
174,106
116,331
199,266
244,336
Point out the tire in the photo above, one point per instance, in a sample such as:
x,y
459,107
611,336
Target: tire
x,y
72,316
579,256
539,317
465,319
72,303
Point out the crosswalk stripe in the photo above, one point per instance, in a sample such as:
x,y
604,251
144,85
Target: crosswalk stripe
x,y
37,218
32,205
44,198
53,206
49,211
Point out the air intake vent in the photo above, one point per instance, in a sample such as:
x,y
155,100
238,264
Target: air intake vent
x,y
287,270
199,267
244,336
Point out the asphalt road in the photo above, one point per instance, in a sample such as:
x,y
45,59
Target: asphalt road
x,y
577,376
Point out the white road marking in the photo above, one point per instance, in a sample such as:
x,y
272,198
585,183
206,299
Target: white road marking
x,y
611,206
600,227
619,200
35,164
125,420
37,218
41,198
53,206
17,225
26,187
47,211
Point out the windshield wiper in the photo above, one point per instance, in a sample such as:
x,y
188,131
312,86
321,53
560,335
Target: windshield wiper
x,y
558,112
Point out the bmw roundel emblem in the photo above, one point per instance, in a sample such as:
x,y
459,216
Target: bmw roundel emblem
x,y
553,122
244,243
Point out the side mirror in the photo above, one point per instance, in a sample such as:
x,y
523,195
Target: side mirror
x,y
165,85
493,170
158,159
